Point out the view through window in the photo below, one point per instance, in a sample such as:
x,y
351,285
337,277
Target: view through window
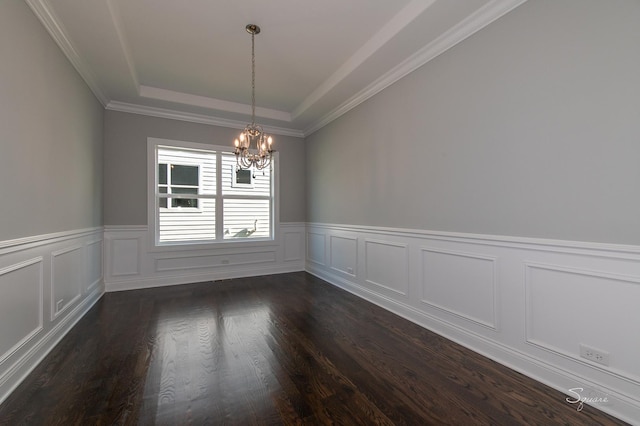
x,y
201,196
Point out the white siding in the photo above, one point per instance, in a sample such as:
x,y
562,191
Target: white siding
x,y
247,208
192,224
249,215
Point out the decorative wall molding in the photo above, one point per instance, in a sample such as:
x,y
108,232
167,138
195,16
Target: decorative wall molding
x,y
125,254
520,301
293,246
617,251
26,332
18,244
461,276
35,273
343,254
533,281
387,265
94,250
316,247
579,296
67,267
191,262
132,263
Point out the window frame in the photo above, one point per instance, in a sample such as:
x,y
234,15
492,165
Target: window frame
x,y
153,208
169,185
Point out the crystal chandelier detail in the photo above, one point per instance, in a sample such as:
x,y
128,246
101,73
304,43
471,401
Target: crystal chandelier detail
x,y
258,157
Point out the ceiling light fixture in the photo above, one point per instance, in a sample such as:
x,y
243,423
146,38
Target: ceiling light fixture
x,y
260,156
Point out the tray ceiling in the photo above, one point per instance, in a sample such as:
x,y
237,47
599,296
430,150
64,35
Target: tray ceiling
x,y
315,60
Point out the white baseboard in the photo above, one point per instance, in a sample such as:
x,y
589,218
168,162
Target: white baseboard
x,y
534,282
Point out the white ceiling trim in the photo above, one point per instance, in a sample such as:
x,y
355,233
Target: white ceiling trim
x,y
114,11
379,39
472,24
478,20
212,103
46,16
194,118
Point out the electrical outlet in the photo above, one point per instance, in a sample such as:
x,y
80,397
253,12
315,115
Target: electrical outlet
x,y
595,355
59,304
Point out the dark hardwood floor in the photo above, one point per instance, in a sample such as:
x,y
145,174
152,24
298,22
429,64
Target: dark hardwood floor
x,y
280,349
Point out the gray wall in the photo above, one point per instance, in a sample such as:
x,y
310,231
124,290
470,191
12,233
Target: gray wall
x,y
125,159
531,127
51,130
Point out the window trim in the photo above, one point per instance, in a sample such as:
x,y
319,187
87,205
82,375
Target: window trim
x,y
152,208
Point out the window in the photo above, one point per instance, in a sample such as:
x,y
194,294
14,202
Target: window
x,y
198,195
178,179
241,177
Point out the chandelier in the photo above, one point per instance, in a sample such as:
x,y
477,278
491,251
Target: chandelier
x,y
258,157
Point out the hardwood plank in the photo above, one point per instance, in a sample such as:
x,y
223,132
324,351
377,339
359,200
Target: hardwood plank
x,y
282,349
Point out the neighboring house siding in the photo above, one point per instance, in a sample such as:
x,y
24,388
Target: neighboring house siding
x,y
180,224
246,207
241,214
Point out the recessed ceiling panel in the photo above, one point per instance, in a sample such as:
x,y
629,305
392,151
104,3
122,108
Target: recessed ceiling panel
x,y
314,60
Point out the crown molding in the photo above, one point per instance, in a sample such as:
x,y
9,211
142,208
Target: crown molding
x,y
466,28
211,103
379,39
116,18
45,14
475,22
195,118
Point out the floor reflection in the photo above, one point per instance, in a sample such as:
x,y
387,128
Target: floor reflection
x,y
211,351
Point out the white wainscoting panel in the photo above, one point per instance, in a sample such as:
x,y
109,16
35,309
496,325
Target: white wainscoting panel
x,y
21,305
568,307
526,303
134,262
316,245
191,262
387,265
344,254
47,283
94,264
460,283
293,246
67,267
125,256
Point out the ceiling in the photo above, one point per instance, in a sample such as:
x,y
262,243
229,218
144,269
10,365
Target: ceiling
x,y
315,60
